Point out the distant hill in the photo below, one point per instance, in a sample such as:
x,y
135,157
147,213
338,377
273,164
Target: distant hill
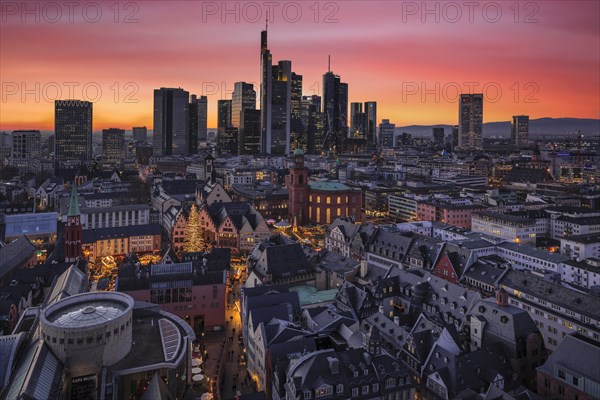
x,y
537,127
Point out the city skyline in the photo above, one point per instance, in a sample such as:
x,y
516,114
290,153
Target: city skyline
x,y
408,69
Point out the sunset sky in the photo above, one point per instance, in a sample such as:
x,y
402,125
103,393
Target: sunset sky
x,y
543,56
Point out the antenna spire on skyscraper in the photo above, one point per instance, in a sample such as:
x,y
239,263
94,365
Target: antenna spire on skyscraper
x,y
267,22
329,63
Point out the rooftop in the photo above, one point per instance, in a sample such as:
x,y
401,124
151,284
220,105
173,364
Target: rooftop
x,y
536,286
328,186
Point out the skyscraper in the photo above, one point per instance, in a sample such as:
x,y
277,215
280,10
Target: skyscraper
x,y
438,137
197,122
73,132
243,98
454,137
26,150
227,135
386,134
266,94
520,130
113,146
171,121
202,104
470,121
371,129
249,132
358,121
298,131
275,102
335,108
140,133
313,121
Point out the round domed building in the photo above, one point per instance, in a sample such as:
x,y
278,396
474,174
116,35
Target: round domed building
x,y
89,330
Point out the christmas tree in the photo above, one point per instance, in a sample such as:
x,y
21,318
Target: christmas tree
x,y
194,241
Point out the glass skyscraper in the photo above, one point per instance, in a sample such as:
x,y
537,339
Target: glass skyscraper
x,y
73,133
171,121
243,98
470,121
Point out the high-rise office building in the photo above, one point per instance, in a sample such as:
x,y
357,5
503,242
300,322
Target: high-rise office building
x,y
275,102
313,121
335,108
223,115
266,94
470,121
140,133
113,146
26,150
520,130
249,132
298,131
73,133
227,135
371,130
386,134
358,121
202,104
454,137
438,137
171,121
197,122
243,98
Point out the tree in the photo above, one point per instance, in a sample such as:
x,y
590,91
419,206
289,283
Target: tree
x,y
194,241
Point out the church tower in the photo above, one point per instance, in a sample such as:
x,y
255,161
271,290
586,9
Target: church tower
x,y
73,229
298,190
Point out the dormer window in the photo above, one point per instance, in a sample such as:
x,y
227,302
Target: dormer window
x,y
339,389
366,371
356,374
306,394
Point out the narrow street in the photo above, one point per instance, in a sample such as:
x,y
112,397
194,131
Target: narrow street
x,y
225,347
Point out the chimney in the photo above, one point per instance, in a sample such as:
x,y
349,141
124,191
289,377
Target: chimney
x,y
363,268
334,365
501,297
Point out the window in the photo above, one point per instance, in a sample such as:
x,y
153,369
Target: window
x,y
561,374
365,389
375,387
354,392
339,389
307,394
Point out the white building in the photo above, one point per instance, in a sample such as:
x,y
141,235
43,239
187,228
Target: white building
x,y
513,228
581,247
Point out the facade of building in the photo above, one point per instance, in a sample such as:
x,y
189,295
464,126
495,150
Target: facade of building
x,y
140,133
191,290
572,371
470,121
319,202
581,247
249,132
556,310
335,109
456,215
234,225
121,241
387,134
171,121
242,98
519,130
371,110
113,146
26,150
73,132
513,228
